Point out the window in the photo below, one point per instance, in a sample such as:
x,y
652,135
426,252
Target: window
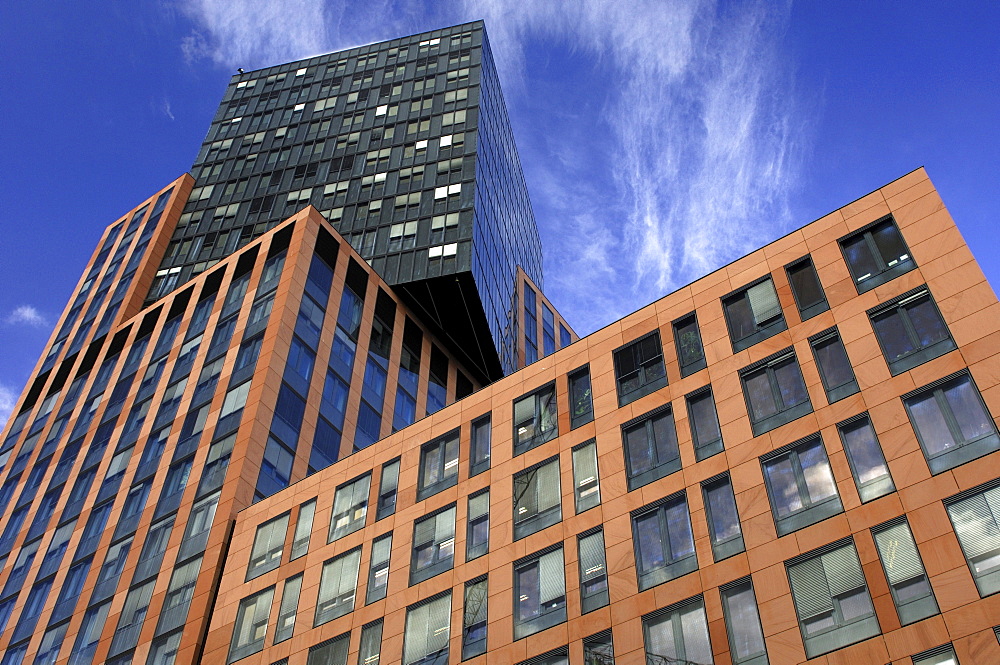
x,y
288,609
580,398
371,643
687,339
806,288
378,570
337,586
753,314
537,498
975,514
428,631
723,517
433,545
267,546
327,652
593,571
911,590
477,540
586,483
800,485
678,633
479,456
251,624
910,330
951,422
303,529
438,465
535,419
539,592
834,365
704,421
746,638
664,544
876,254
474,617
387,489
871,473
775,392
350,507
831,598
639,368
650,447
942,655
599,649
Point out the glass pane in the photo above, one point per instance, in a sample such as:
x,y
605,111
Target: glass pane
x,y
860,258
790,383
855,605
744,622
805,284
527,592
640,454
784,490
689,342
740,317
679,531
930,423
725,521
892,334
761,398
865,452
889,243
927,322
964,401
833,361
694,628
665,437
816,469
701,410
647,528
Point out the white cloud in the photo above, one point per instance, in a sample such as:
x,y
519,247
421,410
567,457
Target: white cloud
x,y
26,315
8,398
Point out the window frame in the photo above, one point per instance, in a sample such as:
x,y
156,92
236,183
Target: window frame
x,y
898,306
764,329
650,378
810,310
539,414
439,563
271,557
660,468
447,469
591,600
842,390
589,486
694,364
809,512
544,618
375,592
475,647
704,450
725,547
783,416
250,605
673,567
342,603
736,586
888,270
440,656
354,523
482,424
473,549
958,452
578,417
386,489
673,611
877,487
916,608
542,518
987,582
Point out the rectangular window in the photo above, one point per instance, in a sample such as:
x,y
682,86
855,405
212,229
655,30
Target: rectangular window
x,y
593,571
539,593
678,633
723,517
651,449
663,541
753,314
350,507
580,398
438,465
427,632
951,422
834,366
704,421
975,514
387,487
378,571
303,529
746,638
911,590
599,649
876,254
288,609
800,485
370,651
268,543
251,624
831,598
433,545
537,498
586,481
477,540
639,368
474,617
806,288
479,456
327,652
337,586
775,392
535,419
871,473
687,339
942,655
910,330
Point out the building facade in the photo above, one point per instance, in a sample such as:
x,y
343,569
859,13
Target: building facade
x,y
790,460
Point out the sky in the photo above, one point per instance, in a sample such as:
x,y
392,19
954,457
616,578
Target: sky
x,y
660,139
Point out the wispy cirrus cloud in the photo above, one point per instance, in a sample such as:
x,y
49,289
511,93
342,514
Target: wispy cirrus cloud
x,y
26,315
8,398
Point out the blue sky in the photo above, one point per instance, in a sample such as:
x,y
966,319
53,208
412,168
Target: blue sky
x,y
660,139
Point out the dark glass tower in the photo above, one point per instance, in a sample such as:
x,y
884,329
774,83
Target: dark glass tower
x,y
406,148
